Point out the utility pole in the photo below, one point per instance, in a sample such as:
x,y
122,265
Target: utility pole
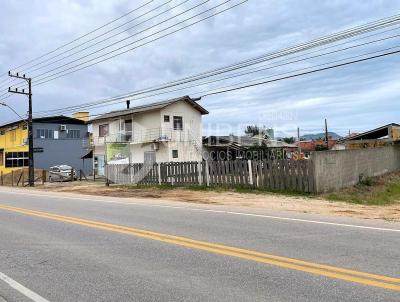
x,y
298,140
326,135
30,130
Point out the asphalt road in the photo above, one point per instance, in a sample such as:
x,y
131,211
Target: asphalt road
x,y
62,248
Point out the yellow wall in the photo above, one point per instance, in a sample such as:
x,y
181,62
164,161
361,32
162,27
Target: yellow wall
x,y
395,133
12,140
361,144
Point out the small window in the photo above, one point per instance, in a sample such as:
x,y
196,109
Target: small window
x,y
103,130
166,118
44,133
178,123
174,153
74,134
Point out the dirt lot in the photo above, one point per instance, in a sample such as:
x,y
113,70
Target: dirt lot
x,y
270,201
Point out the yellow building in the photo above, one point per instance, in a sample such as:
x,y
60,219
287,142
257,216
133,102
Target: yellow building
x,y
379,137
13,146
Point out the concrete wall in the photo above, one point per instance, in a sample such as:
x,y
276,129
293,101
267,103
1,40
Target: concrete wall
x,y
334,170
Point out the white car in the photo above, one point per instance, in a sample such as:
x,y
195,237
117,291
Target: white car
x,y
61,173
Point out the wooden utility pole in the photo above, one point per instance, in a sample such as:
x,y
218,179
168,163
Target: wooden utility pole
x,y
298,140
326,135
30,122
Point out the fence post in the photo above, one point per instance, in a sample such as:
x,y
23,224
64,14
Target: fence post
x,y
72,174
106,175
2,180
43,176
199,170
159,173
23,177
207,174
250,172
12,178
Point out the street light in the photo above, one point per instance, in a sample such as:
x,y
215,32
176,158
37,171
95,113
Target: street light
x,y
13,110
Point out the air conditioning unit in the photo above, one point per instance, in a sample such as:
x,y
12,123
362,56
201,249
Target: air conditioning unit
x,y
63,127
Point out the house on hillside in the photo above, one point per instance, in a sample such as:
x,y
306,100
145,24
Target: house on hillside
x,y
165,131
379,137
233,147
56,140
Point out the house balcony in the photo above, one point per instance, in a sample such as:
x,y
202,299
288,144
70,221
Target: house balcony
x,y
144,136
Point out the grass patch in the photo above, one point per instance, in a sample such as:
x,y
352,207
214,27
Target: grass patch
x,y
382,190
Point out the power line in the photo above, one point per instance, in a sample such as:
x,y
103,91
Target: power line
x,y
118,99
83,36
314,43
234,75
101,41
141,39
303,73
379,24
65,71
71,42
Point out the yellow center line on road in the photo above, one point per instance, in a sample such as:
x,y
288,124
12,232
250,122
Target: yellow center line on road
x,y
290,263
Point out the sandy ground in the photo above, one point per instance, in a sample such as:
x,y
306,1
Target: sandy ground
x,y
276,202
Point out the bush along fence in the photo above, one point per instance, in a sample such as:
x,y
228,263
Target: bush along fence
x,y
278,174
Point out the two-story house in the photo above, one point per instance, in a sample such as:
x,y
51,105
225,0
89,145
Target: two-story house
x,y
57,140
165,131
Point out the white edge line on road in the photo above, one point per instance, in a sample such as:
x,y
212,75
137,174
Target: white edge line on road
x,y
22,289
212,211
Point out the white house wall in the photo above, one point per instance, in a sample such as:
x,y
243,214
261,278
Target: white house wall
x,y
192,131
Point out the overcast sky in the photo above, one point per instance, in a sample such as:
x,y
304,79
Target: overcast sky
x,y
355,98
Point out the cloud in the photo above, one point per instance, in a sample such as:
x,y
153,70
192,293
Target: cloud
x,y
358,97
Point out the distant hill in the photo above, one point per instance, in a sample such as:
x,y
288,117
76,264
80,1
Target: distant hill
x,y
320,135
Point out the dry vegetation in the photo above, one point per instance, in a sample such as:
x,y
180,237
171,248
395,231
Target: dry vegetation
x,y
376,199
382,190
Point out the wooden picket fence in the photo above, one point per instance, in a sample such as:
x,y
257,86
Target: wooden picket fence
x,y
278,174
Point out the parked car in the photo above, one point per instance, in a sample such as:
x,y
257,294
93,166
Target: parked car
x,y
61,173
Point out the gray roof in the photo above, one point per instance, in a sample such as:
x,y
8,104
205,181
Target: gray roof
x,y
151,107
61,119
372,134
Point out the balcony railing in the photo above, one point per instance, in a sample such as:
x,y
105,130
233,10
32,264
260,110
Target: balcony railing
x,y
145,136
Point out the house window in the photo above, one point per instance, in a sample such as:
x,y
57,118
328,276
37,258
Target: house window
x,y
103,130
174,153
45,133
74,134
16,159
1,157
178,123
166,118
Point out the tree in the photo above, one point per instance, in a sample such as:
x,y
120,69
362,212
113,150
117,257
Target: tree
x,y
254,130
321,148
289,140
